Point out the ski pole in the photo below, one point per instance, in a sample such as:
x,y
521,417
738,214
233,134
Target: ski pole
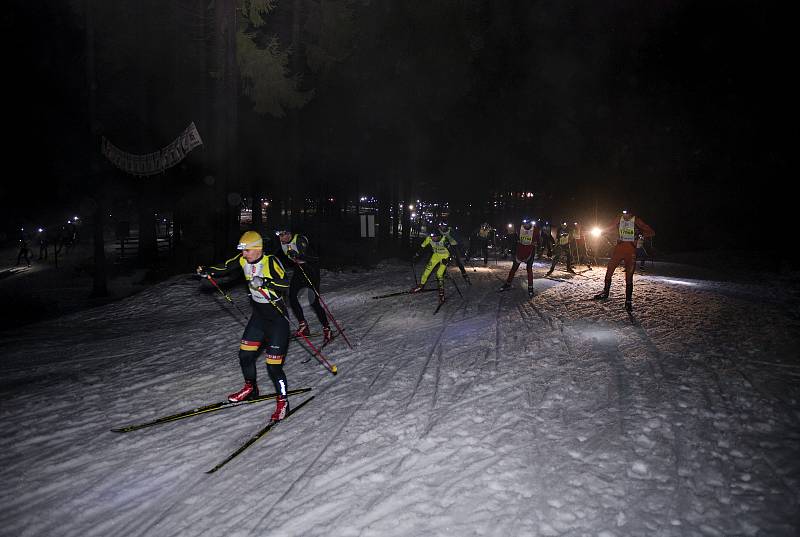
x,y
226,295
414,271
324,305
330,367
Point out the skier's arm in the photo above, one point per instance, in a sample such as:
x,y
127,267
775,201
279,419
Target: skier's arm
x,y
426,241
644,228
612,226
230,266
278,280
298,255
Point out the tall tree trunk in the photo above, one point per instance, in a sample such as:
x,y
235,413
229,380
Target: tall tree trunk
x,y
100,279
224,103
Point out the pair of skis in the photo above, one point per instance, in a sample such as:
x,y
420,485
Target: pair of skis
x,y
399,293
324,343
222,405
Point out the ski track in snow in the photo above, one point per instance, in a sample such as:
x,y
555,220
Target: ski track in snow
x,y
501,415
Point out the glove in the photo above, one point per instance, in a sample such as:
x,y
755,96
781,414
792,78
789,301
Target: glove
x,y
202,273
257,282
292,254
415,258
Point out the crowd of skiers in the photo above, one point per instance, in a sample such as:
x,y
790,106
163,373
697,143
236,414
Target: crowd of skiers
x,y
277,270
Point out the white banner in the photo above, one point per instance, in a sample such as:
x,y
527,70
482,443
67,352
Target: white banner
x,y
153,163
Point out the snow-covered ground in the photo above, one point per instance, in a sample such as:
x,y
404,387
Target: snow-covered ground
x,y
499,416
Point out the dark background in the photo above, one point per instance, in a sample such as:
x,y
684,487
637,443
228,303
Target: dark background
x,y
679,111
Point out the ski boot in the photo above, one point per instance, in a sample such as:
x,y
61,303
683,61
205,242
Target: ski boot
x,y
302,329
327,336
505,287
281,408
604,294
441,294
248,391
628,306
530,291
417,288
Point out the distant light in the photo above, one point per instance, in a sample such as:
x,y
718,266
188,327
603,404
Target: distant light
x,y
75,218
22,229
596,232
411,207
624,211
413,215
40,230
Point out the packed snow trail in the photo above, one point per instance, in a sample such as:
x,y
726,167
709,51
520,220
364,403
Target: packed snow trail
x,y
499,416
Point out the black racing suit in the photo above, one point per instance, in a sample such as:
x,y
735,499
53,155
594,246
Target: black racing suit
x,y
268,323
297,256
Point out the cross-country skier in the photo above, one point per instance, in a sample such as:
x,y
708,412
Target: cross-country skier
x,y
626,226
527,242
483,236
579,237
440,256
546,241
455,252
268,322
297,256
562,248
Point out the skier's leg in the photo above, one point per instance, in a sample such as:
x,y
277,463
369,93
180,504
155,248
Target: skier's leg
x,y
294,288
616,257
529,269
315,304
630,267
428,268
442,268
514,267
252,337
556,256
276,354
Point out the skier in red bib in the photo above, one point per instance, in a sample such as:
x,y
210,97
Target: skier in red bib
x,y
627,227
527,242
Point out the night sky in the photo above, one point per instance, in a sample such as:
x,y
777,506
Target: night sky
x,y
676,110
